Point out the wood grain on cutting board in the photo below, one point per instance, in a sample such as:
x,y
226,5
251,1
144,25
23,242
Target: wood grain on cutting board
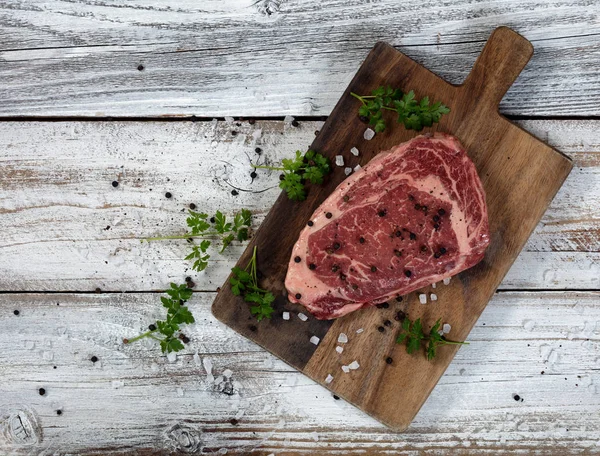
x,y
520,175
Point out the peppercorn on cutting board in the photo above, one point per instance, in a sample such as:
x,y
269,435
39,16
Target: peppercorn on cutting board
x,y
520,175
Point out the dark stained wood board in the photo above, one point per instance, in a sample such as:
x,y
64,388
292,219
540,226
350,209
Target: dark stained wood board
x,y
520,175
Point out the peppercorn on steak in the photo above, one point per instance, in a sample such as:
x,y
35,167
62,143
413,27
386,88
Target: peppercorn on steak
x,y
414,215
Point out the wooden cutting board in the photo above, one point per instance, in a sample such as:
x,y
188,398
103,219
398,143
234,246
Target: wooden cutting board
x,y
520,175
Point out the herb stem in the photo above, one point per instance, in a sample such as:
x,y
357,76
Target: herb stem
x,y
358,97
274,168
181,236
452,342
141,336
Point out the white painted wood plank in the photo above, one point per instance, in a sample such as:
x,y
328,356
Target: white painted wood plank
x,y
57,201
132,396
274,57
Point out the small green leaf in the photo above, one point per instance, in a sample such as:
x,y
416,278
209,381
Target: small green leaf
x,y
226,241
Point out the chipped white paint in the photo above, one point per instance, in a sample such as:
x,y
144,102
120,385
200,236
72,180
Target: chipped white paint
x,y
277,407
57,202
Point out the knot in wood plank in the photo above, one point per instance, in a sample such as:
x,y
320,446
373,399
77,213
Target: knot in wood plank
x,y
184,438
21,427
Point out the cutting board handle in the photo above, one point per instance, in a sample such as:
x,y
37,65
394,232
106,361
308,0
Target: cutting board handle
x,y
503,58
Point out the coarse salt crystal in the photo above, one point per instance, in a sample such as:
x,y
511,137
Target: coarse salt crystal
x,y
288,119
358,331
357,167
446,328
302,317
229,119
353,365
354,151
433,296
433,285
315,340
347,171
329,378
346,369
342,338
446,280
339,160
256,134
339,349
423,298
369,134
286,315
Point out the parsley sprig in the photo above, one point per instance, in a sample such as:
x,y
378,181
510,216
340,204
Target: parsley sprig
x,y
312,167
414,114
244,282
414,336
227,232
177,314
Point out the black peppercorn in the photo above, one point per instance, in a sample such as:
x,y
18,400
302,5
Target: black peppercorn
x,y
437,255
342,276
413,236
399,298
251,121
387,323
16,312
337,398
295,123
152,327
191,284
424,208
418,207
59,412
441,212
168,195
192,206
407,273
436,218
328,215
42,391
346,198
258,150
185,339
140,67
398,233
379,306
234,192
336,246
397,253
312,266
443,250
115,184
373,269
361,240
94,359
212,220
385,305
233,132
423,249
380,329
253,174
381,213
188,279
298,296
389,360
252,328
297,259
281,177
363,119
436,226
233,421
400,316
310,223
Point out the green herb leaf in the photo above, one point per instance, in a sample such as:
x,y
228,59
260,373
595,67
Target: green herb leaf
x,y
197,222
220,223
226,241
412,334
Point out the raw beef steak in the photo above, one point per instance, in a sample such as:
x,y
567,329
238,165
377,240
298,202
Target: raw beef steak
x,y
414,215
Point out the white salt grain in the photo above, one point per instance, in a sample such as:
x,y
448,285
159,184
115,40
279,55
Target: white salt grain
x,y
357,167
172,357
446,280
433,296
288,119
369,134
433,285
353,365
315,340
354,151
446,328
339,160
256,134
229,119
423,298
329,378
347,171
339,349
346,369
286,315
227,373
342,338
358,331
302,317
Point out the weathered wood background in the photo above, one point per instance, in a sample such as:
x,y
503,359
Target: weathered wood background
x,y
65,231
